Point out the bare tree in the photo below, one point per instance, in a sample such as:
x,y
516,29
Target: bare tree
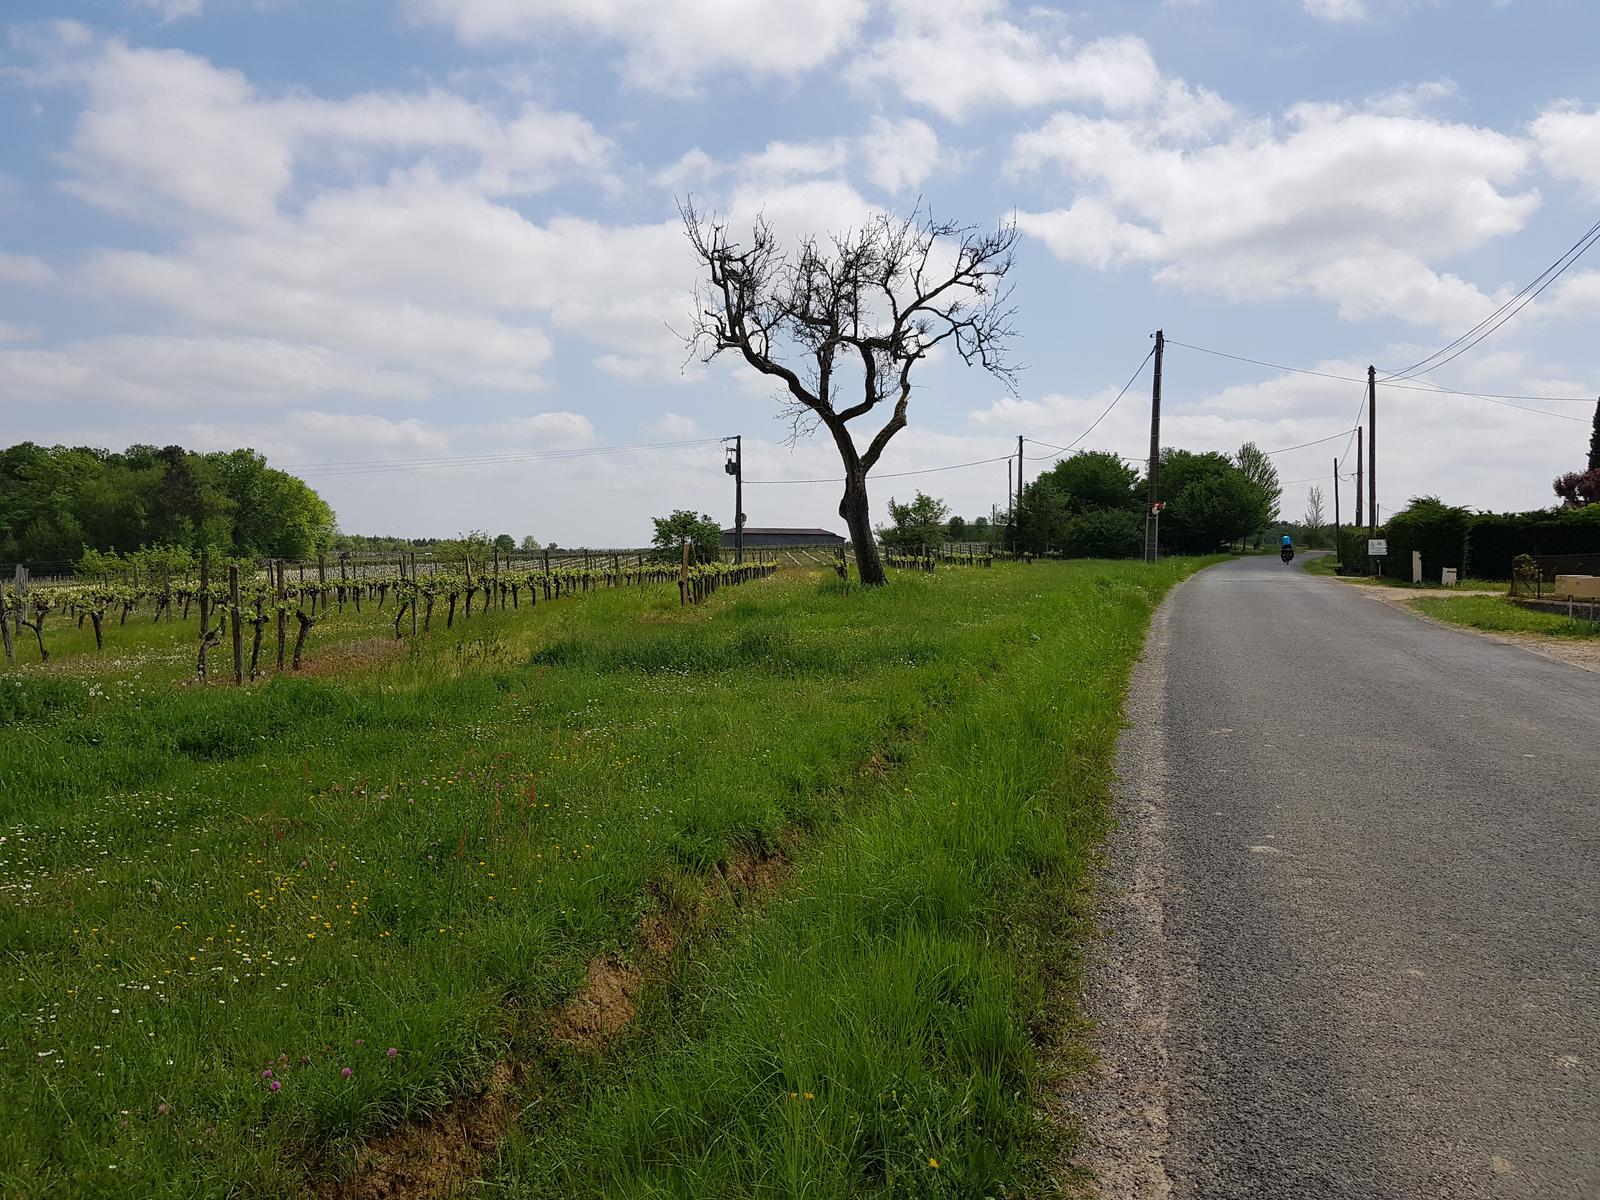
x,y
1314,520
851,318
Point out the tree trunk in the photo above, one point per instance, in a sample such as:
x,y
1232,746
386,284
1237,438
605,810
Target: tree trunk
x,y
858,519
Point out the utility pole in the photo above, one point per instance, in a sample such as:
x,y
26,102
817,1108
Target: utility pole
x,y
1011,509
735,467
1359,453
1336,508
1019,487
1150,527
1372,448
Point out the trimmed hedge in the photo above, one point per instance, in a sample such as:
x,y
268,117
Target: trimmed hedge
x,y
1495,538
1482,545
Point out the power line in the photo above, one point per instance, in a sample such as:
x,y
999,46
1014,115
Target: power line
x,y
1500,398
1067,449
1521,300
1331,437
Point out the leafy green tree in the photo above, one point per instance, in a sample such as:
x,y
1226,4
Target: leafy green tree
x,y
956,529
684,525
505,543
1210,501
917,524
1104,533
1263,476
57,502
1089,482
529,544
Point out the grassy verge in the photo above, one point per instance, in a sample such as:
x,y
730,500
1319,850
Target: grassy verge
x,y
1501,616
247,927
873,1032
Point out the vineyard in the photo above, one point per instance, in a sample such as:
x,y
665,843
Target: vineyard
x,y
246,603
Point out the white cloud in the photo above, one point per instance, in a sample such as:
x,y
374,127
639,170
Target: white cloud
x,y
172,10
169,137
1337,10
965,55
669,44
17,333
1415,99
25,268
175,372
1347,206
366,431
1569,144
555,430
672,425
899,155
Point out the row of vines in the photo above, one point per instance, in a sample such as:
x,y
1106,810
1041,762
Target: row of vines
x,y
247,603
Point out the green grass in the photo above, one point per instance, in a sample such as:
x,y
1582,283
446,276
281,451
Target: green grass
x,y
198,885
1501,616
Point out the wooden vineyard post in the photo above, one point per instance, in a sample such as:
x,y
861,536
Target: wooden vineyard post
x,y
5,626
205,611
683,579
237,621
341,583
415,596
22,603
283,614
322,586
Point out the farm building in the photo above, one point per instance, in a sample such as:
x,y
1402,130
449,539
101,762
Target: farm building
x,y
754,537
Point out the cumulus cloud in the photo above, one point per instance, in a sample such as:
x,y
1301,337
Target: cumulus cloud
x,y
668,45
1339,11
24,268
1569,144
966,55
1345,205
167,136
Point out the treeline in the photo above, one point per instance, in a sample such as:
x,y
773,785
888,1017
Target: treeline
x,y
1093,505
56,502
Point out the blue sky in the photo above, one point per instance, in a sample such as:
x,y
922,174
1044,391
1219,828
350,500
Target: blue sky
x,y
368,236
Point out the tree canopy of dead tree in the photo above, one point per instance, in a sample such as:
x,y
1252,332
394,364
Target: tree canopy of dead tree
x,y
841,323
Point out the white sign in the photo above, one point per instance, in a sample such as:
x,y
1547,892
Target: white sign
x,y
1377,547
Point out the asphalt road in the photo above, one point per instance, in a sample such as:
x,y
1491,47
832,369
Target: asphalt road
x,y
1352,907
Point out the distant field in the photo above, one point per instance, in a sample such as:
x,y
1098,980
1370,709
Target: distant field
x,y
1501,616
661,901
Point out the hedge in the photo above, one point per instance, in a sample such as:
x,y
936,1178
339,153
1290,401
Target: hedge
x,y
1481,545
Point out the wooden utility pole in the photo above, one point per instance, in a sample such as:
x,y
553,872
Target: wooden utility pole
x,y
1336,509
735,467
1151,528
1359,454
1372,449
683,579
1019,491
1011,507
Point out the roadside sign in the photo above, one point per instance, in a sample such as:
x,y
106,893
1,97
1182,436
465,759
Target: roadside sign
x,y
1377,547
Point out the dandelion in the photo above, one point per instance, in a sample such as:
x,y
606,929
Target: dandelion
x,y
934,1163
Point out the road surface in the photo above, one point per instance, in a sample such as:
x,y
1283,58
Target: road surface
x,y
1352,908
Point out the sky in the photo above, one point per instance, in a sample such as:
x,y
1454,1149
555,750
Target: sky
x,y
426,253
